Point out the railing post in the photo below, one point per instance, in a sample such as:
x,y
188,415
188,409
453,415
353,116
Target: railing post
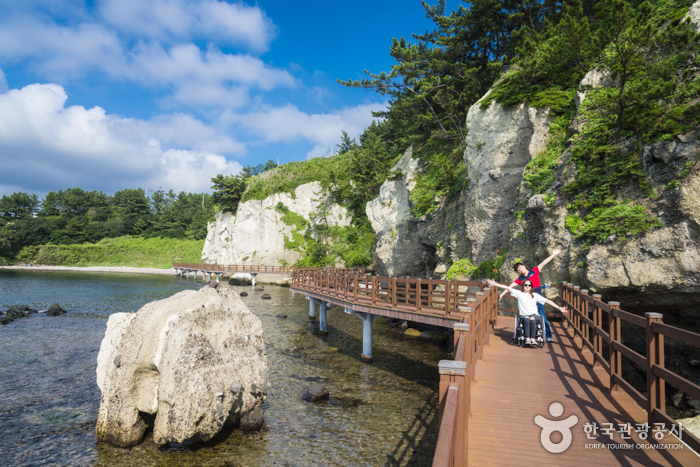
x,y
564,300
462,332
656,386
597,338
419,291
480,309
452,371
374,290
584,329
487,310
577,315
615,356
393,292
470,350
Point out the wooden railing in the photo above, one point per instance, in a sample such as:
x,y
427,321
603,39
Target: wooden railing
x,y
476,311
425,296
233,268
599,324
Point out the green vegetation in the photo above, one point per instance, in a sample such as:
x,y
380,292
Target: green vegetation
x,y
621,220
461,269
75,216
573,223
519,215
464,268
539,172
121,251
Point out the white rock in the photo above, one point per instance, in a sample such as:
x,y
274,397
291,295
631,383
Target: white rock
x,y
256,235
499,141
178,358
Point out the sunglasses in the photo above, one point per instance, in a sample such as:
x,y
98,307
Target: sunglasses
x,y
527,285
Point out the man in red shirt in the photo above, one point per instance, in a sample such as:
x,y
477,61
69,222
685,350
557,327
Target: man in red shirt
x,y
534,276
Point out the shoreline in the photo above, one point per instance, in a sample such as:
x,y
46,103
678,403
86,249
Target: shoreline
x,y
110,269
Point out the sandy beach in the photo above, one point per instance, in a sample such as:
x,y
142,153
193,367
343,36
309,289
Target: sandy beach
x,y
117,269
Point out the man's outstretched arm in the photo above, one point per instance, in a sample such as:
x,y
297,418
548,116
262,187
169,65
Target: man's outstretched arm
x,y
544,263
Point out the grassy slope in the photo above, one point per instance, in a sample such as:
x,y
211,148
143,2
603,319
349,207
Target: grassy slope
x,y
121,251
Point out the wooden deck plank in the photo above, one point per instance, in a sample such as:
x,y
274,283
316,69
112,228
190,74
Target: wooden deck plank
x,y
514,385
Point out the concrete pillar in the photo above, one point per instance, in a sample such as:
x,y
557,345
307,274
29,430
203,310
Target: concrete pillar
x,y
217,276
322,315
195,275
253,274
312,312
367,325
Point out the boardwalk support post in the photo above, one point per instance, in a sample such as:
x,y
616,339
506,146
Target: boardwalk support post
x,y
312,311
367,325
322,315
253,274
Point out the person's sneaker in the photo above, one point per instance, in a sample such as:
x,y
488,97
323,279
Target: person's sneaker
x,y
528,341
549,339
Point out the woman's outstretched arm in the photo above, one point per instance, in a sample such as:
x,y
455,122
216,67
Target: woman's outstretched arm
x,y
560,308
496,284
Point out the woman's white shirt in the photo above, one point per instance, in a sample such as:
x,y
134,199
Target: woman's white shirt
x,y
527,305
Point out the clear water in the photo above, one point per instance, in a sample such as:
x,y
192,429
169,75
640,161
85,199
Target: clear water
x,y
383,413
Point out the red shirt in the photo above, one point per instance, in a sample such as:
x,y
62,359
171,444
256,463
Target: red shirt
x,y
534,276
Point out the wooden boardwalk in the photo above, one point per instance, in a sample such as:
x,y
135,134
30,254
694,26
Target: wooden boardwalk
x,y
514,385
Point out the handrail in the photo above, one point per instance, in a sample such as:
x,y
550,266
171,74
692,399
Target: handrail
x,y
586,319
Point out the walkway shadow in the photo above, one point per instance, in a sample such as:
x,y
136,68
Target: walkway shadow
x,y
579,379
426,422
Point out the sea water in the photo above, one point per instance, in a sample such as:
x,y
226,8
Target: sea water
x,y
383,413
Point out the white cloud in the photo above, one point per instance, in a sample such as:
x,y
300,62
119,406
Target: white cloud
x,y
157,51
184,20
289,124
46,145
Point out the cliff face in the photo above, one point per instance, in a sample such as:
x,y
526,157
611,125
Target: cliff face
x,y
257,233
658,270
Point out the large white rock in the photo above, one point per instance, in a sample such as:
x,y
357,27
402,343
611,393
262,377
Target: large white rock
x,y
195,360
499,144
256,234
397,250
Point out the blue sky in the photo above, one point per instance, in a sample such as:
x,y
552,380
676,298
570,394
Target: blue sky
x,y
113,94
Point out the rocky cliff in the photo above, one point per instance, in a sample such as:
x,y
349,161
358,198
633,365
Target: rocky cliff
x,y
258,232
658,270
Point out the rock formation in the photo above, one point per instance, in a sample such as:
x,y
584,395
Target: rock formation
x,y
256,234
186,365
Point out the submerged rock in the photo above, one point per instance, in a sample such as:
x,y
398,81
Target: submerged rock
x,y
266,296
315,392
15,313
5,320
188,365
243,294
412,332
435,337
55,310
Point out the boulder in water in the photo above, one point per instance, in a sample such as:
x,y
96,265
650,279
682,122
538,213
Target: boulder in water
x,y
266,296
435,337
55,310
189,365
4,320
15,313
243,294
315,392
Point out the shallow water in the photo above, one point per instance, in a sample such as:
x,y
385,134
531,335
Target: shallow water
x,y
383,413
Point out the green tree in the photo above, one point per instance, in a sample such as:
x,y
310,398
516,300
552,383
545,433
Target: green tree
x,y
18,205
636,49
228,191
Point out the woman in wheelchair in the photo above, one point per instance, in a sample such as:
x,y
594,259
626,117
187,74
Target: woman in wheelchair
x,y
527,307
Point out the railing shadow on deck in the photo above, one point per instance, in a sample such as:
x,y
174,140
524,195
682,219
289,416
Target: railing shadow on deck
x,y
588,401
587,328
